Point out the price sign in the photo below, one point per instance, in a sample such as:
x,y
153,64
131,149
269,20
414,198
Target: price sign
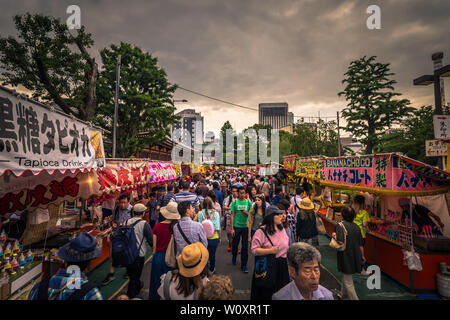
x,y
436,148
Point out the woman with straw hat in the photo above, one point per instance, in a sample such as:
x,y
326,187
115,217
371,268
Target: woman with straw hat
x,y
306,223
186,282
162,232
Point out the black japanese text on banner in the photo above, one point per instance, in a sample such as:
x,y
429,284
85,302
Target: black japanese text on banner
x,y
34,138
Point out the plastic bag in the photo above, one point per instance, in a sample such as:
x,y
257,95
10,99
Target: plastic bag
x,y
412,260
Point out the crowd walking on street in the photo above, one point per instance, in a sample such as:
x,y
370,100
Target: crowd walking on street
x,y
185,221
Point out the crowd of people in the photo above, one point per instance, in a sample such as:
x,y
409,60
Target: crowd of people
x,y
183,222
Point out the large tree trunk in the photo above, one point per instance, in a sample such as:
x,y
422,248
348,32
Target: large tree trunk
x,y
90,99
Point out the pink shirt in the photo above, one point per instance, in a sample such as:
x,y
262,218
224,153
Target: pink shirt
x,y
279,238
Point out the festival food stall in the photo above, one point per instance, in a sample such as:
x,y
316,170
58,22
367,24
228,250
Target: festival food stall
x,y
51,164
394,186
302,169
42,150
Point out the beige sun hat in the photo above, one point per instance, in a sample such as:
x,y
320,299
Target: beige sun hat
x,y
170,212
306,204
192,260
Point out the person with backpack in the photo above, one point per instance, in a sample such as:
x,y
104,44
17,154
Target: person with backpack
x,y
188,231
122,213
128,248
162,233
77,253
239,214
306,226
186,282
210,220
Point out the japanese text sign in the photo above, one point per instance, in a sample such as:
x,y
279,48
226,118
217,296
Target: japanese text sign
x,y
34,138
161,171
308,167
53,189
379,172
436,148
289,163
441,127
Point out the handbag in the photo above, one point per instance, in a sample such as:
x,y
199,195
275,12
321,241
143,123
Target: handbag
x,y
339,246
170,257
264,275
319,225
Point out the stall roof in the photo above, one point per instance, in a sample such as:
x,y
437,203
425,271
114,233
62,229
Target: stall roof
x,y
401,176
424,168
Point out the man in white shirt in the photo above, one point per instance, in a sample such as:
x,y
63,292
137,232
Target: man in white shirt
x,y
304,268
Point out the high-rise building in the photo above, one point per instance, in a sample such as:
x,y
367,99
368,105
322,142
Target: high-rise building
x,y
209,137
191,124
290,118
274,114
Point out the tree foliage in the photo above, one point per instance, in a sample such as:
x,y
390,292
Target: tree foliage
x,y
410,138
320,139
51,62
371,107
145,99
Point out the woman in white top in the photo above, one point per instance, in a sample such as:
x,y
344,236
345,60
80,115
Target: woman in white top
x,y
186,282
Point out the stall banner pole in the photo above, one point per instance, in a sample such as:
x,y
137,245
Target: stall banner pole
x,y
411,223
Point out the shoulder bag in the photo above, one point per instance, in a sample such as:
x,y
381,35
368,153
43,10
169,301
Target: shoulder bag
x,y
171,253
264,275
337,245
319,224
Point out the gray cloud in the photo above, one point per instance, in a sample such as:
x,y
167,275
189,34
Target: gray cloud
x,y
255,51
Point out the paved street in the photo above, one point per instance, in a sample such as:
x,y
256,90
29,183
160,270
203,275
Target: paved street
x,y
241,281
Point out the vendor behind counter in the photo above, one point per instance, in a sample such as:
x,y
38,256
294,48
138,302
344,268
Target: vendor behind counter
x,y
14,224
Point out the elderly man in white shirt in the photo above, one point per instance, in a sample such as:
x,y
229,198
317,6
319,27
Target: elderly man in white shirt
x,y
303,264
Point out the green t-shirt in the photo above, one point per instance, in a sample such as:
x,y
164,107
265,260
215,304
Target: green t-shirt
x,y
361,217
240,219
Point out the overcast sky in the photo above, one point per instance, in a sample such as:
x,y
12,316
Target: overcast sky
x,y
253,51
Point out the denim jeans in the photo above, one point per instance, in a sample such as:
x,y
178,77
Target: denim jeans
x,y
212,247
238,233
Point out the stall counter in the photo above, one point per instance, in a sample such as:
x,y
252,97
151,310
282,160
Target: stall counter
x,y
389,257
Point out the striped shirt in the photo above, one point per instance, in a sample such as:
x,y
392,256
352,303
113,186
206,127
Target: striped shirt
x,y
193,231
186,196
165,199
58,281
